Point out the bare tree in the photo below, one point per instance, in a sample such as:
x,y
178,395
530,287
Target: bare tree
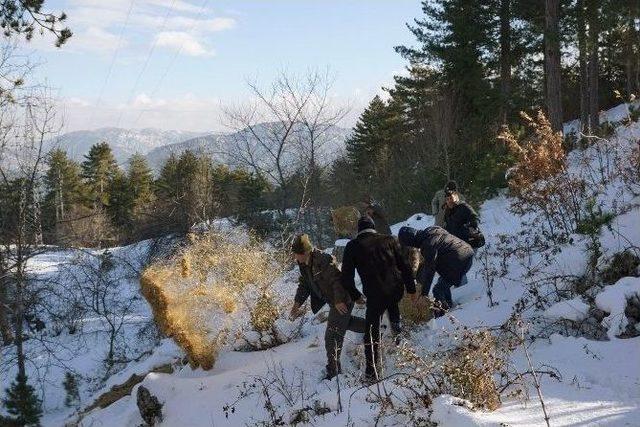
x,y
27,121
284,129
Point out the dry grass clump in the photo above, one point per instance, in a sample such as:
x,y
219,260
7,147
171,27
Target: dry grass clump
x,y
416,313
264,314
197,295
471,367
345,220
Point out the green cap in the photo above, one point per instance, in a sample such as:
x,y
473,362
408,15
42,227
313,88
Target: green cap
x,y
301,244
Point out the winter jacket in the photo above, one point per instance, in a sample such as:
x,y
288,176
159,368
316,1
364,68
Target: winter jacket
x,y
321,281
381,265
459,219
437,207
443,253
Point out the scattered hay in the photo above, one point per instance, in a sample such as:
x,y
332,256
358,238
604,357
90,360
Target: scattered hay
x,y
345,220
196,296
416,313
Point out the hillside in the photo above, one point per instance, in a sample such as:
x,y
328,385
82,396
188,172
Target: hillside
x,y
578,333
220,146
123,142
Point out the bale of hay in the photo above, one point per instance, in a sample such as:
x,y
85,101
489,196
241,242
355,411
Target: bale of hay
x,y
345,221
196,296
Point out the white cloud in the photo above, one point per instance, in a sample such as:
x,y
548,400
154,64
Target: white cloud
x,y
97,24
183,42
94,39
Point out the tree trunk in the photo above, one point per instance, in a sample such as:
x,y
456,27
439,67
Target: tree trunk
x,y
594,33
631,51
552,63
584,75
6,331
505,59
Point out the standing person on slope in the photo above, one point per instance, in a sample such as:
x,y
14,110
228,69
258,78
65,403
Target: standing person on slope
x,y
385,275
320,279
438,202
444,254
459,217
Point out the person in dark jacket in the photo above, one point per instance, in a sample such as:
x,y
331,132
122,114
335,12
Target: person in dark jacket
x,y
385,275
459,216
320,279
444,254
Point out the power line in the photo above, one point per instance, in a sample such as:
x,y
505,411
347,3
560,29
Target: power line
x,y
113,59
146,62
171,62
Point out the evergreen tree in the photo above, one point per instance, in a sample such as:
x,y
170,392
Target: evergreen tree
x,y
64,188
22,403
140,179
185,189
99,171
380,127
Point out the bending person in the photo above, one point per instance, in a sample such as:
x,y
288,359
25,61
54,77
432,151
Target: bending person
x,y
444,254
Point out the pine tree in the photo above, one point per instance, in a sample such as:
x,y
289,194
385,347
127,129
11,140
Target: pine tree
x,y
377,131
140,179
65,191
22,403
185,190
99,171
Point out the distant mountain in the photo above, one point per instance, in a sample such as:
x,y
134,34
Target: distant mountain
x,y
220,146
123,142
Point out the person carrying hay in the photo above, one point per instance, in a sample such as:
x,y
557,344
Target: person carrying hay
x,y
320,279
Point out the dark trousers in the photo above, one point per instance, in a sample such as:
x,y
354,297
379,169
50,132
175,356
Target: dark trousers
x,y
375,310
337,325
442,289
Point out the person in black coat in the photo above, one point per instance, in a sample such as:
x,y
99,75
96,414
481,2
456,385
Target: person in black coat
x,y
444,254
459,216
385,275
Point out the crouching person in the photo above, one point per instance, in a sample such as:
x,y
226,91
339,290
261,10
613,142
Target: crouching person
x,y
320,279
385,274
443,253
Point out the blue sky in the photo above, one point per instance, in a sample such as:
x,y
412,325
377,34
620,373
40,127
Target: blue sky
x,y
176,62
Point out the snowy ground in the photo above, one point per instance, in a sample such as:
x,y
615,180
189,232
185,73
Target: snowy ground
x,y
599,381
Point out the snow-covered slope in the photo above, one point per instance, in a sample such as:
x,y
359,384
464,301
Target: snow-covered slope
x,y
595,381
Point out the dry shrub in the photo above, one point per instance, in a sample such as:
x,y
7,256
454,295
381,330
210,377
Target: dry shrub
x,y
345,220
540,180
195,296
418,312
264,313
538,156
471,367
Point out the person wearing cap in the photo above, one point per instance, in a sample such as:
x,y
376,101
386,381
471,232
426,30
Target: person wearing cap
x,y
443,253
385,274
459,216
438,202
320,280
